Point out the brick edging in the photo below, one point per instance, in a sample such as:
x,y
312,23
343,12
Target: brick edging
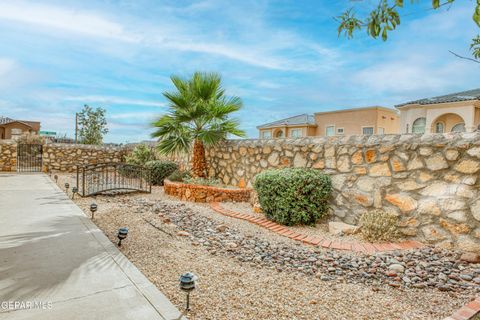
x,y
355,246
466,312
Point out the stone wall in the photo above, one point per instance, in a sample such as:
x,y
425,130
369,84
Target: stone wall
x,y
8,155
199,193
431,181
65,157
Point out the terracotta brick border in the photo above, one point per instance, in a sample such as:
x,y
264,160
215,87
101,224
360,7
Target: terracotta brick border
x,y
199,193
466,312
355,246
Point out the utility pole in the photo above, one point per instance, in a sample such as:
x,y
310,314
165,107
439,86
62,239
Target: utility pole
x,y
76,127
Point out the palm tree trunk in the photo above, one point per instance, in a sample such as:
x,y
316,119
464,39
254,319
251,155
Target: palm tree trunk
x,y
199,164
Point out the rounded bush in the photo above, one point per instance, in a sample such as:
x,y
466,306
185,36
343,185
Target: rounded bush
x,y
293,195
159,170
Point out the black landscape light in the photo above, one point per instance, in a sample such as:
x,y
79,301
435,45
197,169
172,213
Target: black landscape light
x,y
122,234
56,178
93,208
187,284
74,190
67,185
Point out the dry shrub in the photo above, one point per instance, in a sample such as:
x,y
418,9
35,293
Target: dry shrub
x,y
378,225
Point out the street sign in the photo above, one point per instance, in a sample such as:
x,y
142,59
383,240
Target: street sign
x,y
48,133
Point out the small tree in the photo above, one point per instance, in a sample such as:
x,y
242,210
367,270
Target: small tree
x,y
93,125
198,115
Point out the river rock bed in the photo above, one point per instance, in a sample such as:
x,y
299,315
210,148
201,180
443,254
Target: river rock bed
x,y
426,268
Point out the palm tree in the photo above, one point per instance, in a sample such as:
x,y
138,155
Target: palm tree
x,y
199,115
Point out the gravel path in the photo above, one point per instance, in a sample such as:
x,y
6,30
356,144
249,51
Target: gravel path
x,y
233,286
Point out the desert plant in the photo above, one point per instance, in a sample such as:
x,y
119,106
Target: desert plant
x,y
378,225
140,155
31,138
293,195
199,115
203,181
179,175
159,170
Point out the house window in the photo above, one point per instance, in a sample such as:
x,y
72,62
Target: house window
x,y
439,128
279,134
340,131
16,133
419,125
368,131
381,130
459,127
330,131
296,133
266,134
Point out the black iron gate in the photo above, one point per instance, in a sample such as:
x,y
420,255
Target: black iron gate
x,y
29,157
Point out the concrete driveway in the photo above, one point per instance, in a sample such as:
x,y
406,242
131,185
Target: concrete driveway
x,y
56,264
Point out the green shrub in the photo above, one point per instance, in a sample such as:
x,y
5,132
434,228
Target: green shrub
x,y
141,155
378,225
293,195
179,175
159,170
204,181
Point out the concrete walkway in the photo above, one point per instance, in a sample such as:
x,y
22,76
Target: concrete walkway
x,y
56,264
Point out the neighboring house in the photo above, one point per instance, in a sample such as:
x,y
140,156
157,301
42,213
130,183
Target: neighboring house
x,y
14,129
366,121
358,121
456,112
294,127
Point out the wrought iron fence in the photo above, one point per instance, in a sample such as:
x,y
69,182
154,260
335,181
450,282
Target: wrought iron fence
x,y
100,178
29,157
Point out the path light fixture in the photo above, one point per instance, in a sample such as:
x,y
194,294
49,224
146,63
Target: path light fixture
x,y
93,209
56,178
74,190
187,284
67,185
122,234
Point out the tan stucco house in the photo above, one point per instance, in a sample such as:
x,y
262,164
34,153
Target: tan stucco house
x,y
358,121
302,125
456,112
14,129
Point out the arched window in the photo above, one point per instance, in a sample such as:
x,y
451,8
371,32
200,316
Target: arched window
x,y
439,127
459,127
279,134
419,125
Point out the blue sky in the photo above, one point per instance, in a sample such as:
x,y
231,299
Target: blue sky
x,y
281,57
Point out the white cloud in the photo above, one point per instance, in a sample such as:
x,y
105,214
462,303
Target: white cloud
x,y
6,66
63,19
269,49
116,100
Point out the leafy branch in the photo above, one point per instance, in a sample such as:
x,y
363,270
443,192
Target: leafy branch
x,y
385,18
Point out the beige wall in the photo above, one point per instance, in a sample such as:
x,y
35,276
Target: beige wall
x,y
354,120
450,113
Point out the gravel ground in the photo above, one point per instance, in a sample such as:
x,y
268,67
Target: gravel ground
x,y
230,288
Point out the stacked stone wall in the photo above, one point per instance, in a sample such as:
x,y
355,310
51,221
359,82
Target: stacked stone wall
x,y
430,181
8,155
66,157
199,193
